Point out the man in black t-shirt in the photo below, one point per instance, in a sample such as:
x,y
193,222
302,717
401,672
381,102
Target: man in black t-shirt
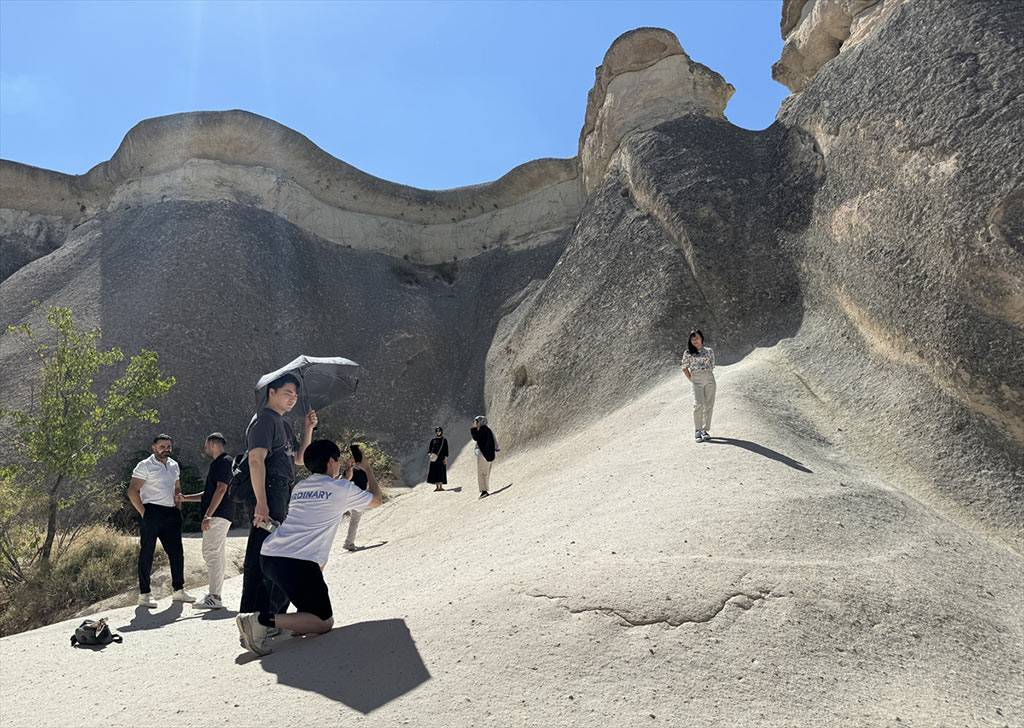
x,y
486,447
272,460
217,512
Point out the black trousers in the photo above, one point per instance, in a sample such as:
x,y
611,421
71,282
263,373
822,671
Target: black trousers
x,y
164,523
260,594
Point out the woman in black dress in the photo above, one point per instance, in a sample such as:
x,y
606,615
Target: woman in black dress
x,y
437,456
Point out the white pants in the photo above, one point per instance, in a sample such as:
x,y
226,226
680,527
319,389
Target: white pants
x,y
353,526
703,398
483,473
214,551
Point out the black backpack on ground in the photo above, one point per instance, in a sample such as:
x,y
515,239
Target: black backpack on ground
x,y
94,633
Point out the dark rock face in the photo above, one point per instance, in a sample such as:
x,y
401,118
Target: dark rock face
x,y
19,250
682,233
914,246
225,293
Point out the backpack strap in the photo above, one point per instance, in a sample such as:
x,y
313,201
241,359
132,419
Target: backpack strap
x,y
270,452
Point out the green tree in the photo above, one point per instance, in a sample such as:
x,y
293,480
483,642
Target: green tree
x,y
68,429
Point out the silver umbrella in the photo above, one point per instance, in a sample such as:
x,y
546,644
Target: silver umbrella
x,y
324,379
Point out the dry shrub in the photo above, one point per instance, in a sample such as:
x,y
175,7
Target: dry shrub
x,y
101,563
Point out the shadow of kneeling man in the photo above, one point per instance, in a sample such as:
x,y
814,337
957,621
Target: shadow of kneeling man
x,y
364,665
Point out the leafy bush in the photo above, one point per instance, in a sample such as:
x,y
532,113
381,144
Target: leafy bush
x,y
383,463
69,426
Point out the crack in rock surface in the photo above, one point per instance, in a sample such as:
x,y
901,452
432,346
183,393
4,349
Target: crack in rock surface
x,y
742,599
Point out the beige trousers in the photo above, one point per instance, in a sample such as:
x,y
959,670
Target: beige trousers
x,y
703,382
483,473
353,526
214,552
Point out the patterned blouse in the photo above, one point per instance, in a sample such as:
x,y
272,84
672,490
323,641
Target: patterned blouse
x,y
704,360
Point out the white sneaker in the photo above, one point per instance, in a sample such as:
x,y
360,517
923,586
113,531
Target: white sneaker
x,y
698,436
147,600
209,602
252,634
182,596
704,435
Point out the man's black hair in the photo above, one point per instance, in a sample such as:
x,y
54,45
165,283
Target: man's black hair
x,y
319,453
283,380
162,436
689,340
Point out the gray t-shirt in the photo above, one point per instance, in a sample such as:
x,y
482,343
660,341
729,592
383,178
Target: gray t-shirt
x,y
272,432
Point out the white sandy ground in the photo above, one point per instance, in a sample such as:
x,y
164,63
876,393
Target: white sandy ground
x,y
627,577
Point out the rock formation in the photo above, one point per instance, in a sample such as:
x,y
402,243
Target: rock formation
x,y
646,78
845,551
871,236
912,265
816,31
239,157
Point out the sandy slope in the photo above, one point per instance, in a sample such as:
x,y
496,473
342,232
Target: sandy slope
x,y
627,577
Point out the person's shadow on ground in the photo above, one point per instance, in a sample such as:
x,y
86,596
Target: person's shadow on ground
x,y
364,665
761,450
146,618
357,549
501,490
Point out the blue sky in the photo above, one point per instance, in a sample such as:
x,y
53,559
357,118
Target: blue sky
x,y
434,95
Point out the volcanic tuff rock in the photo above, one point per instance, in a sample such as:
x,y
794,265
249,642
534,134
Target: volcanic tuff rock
x,y
913,253
871,236
240,157
816,31
684,229
646,78
225,293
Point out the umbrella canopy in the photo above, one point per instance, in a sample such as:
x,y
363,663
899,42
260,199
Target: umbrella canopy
x,y
325,379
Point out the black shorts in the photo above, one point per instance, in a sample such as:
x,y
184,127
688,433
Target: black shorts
x,y
302,581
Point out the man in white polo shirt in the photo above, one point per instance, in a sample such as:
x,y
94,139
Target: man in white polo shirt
x,y
293,556
153,491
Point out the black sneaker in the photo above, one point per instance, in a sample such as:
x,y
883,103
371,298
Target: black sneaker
x,y
704,435
484,494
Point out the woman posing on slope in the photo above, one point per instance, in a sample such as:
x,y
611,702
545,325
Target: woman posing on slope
x,y
699,367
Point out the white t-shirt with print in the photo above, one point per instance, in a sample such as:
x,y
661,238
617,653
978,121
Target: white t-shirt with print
x,y
157,480
315,509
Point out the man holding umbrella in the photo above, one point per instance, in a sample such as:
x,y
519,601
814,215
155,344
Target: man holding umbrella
x,y
273,455
272,458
